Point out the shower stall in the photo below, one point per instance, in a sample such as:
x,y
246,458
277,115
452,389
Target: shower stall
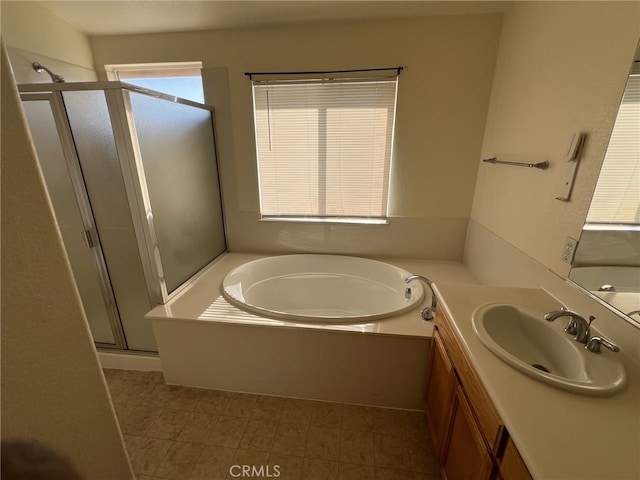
x,y
133,178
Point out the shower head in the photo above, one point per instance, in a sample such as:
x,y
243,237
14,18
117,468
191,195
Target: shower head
x,y
55,78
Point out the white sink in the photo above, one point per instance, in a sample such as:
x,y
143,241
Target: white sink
x,y
522,338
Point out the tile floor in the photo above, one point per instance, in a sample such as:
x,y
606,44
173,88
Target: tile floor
x,y
185,433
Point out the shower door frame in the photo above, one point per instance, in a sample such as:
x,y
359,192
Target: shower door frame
x,y
91,236
125,133
122,122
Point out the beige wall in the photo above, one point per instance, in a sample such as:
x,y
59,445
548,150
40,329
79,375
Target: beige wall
x,y
32,33
31,26
53,389
561,68
442,106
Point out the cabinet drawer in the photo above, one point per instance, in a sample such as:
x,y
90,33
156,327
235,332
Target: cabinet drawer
x,y
488,419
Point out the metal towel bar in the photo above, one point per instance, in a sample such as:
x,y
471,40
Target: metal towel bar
x,y
541,165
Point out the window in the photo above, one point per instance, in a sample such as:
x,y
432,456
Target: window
x,y
616,199
324,148
183,79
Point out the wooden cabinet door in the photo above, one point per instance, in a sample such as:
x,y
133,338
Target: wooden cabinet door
x,y
439,396
466,456
512,466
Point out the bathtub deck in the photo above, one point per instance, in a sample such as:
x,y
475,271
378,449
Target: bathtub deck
x,y
206,342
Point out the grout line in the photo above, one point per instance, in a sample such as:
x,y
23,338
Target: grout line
x,y
404,434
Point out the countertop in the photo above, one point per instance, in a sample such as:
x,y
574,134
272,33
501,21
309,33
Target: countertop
x,y
560,435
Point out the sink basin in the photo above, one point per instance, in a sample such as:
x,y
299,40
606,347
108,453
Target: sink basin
x,y
522,338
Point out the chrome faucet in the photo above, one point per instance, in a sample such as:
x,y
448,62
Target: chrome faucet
x,y
427,312
578,326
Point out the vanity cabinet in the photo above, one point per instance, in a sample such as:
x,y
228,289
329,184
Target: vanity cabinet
x,y
465,455
512,466
440,391
469,437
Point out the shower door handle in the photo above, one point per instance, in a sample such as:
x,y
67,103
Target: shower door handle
x,y
88,239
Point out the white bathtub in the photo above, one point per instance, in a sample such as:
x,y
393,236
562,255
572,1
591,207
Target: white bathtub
x,y
206,342
625,281
321,288
622,278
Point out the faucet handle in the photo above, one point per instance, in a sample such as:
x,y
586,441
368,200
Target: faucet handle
x,y
593,345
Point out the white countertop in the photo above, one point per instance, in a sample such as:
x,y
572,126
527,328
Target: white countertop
x,y
202,300
560,435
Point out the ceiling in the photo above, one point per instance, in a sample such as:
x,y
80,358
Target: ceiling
x,y
116,17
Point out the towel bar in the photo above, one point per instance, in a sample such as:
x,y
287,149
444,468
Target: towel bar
x,y
541,165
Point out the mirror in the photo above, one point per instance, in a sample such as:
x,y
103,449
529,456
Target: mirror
x,y
607,260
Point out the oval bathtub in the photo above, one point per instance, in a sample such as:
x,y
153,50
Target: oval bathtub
x,y
320,288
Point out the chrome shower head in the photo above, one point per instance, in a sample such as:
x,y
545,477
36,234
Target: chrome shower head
x,y
55,78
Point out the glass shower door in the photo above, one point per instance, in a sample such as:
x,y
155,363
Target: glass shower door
x,y
63,178
178,167
133,178
96,144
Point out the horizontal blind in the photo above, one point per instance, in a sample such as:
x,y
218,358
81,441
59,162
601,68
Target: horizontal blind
x,y
617,195
324,148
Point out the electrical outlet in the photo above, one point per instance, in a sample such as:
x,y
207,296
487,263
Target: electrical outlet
x,y
569,250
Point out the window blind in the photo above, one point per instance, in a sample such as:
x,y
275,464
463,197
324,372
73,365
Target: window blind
x,y
324,147
617,195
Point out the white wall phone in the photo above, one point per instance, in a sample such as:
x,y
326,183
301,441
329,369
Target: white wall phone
x,y
572,156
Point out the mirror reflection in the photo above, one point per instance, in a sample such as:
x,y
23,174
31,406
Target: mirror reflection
x,y
607,260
